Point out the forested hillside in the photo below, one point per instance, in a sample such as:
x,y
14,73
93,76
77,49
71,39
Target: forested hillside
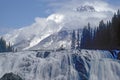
x,y
105,36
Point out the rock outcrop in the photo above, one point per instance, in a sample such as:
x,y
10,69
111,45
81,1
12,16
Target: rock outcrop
x,y
118,56
11,76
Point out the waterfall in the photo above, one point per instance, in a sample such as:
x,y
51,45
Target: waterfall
x,y
105,68
61,65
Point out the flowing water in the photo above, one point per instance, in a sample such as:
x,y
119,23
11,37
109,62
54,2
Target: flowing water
x,y
61,65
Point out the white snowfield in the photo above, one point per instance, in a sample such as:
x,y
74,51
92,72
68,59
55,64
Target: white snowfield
x,y
59,65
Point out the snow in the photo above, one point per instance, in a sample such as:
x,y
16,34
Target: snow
x,y
35,41
55,41
58,18
30,36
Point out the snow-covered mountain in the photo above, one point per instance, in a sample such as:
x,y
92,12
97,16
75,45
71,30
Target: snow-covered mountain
x,y
30,36
46,32
50,33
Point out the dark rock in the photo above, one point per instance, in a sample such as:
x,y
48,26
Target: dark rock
x,y
61,48
113,53
39,54
46,54
80,66
11,76
43,54
85,8
118,56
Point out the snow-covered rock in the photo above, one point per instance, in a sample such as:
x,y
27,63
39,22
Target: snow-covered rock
x,y
55,41
85,8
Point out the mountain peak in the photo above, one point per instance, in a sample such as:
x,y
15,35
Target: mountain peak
x,y
85,8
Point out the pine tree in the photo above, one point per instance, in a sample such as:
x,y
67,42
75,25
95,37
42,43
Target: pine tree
x,y
73,42
9,48
118,28
78,39
87,36
115,30
4,47
105,36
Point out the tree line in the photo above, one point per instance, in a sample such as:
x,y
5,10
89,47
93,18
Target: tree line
x,y
4,47
105,36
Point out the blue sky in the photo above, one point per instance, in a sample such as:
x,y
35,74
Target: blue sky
x,y
20,13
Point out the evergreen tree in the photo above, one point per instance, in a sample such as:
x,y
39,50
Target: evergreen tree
x,y
73,43
78,39
105,36
115,31
9,48
4,47
86,38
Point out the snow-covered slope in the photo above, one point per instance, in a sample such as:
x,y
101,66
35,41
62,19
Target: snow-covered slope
x,y
30,36
44,33
55,41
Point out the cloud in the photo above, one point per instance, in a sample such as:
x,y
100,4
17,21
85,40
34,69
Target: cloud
x,y
72,18
99,5
103,11
67,4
